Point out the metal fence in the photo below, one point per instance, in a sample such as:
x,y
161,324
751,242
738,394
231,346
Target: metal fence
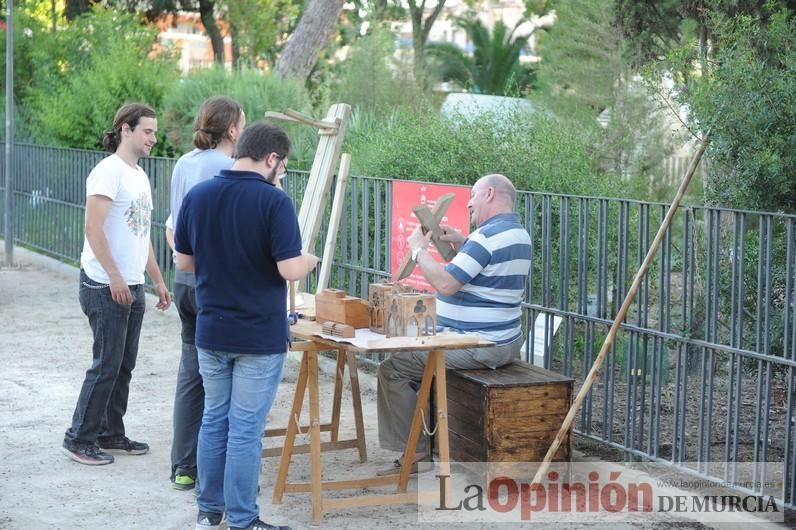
x,y
703,369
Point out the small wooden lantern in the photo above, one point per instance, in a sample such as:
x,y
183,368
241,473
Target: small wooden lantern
x,y
379,295
411,315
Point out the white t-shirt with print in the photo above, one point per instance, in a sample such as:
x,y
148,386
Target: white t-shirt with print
x,y
127,224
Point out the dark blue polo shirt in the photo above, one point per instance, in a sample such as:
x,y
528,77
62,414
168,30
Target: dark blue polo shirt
x,y
237,226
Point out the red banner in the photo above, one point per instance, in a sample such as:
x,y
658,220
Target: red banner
x,y
405,196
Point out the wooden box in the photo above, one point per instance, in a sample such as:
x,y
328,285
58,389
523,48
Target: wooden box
x,y
333,305
511,414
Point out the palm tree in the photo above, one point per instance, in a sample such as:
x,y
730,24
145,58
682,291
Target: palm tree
x,y
494,65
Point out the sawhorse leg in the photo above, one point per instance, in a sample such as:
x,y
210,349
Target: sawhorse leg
x,y
435,368
308,376
343,358
291,430
353,374
315,437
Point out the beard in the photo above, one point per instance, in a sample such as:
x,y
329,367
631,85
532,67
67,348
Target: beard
x,y
272,176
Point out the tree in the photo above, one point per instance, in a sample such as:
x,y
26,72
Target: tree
x,y
313,31
372,80
652,28
421,27
420,31
155,9
742,89
495,62
256,26
584,76
207,14
102,57
749,102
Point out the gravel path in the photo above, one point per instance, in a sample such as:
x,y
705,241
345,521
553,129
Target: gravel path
x,y
45,348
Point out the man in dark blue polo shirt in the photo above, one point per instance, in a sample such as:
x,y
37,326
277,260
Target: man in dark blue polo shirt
x,y
240,235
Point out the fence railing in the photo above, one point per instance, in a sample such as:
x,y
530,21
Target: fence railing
x,y
704,366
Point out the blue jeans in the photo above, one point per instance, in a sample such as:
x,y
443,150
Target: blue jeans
x,y
239,392
103,397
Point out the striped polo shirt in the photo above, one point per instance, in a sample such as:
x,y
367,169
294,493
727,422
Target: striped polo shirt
x,y
492,266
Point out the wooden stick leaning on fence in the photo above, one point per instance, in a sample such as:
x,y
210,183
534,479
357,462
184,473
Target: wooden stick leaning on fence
x,y
620,316
334,223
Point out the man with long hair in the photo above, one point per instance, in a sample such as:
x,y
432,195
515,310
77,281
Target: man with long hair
x,y
240,235
116,252
218,124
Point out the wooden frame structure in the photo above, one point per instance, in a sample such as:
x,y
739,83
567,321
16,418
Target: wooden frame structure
x,y
332,131
308,381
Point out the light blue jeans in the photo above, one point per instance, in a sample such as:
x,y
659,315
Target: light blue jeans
x,y
239,391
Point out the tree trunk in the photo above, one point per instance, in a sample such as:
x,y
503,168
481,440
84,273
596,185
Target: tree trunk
x,y
207,15
418,46
313,32
703,49
75,8
234,36
420,31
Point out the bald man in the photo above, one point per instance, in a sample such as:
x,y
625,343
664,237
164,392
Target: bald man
x,y
479,291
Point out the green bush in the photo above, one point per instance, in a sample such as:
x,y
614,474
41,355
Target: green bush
x,y
255,91
30,34
537,152
77,111
87,70
748,99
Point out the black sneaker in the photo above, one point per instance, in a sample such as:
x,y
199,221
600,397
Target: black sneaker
x,y
123,445
257,524
209,520
89,455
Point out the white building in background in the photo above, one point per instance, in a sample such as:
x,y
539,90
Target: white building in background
x,y
185,33
489,12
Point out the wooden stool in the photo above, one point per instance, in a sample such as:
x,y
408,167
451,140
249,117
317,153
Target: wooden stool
x,y
333,427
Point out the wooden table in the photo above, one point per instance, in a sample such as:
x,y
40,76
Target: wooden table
x,y
308,377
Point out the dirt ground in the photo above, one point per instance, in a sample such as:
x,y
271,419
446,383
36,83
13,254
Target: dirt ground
x,y
45,346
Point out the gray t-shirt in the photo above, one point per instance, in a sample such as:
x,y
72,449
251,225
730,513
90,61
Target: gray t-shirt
x,y
191,169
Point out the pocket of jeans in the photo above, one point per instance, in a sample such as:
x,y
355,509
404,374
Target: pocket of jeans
x,y
91,294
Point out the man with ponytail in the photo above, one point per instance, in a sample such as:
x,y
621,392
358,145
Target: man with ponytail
x,y
215,132
240,235
116,253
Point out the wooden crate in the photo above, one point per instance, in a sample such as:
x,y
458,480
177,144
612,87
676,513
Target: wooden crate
x,y
511,414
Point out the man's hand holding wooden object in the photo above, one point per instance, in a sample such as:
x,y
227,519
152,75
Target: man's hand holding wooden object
x,y
430,221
